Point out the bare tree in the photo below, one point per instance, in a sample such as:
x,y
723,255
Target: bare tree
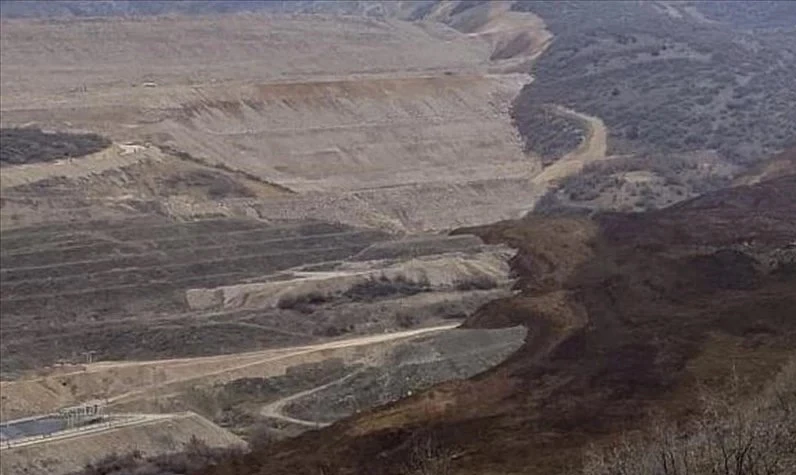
x,y
731,437
429,456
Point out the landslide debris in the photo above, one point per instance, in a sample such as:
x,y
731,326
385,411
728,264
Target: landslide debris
x,y
627,314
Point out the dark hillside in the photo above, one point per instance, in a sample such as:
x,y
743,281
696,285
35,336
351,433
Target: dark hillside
x,y
672,80
757,14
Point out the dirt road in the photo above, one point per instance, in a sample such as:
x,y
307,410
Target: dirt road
x,y
275,410
593,148
245,360
132,381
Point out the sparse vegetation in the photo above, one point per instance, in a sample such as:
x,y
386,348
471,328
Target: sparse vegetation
x,y
429,456
666,84
731,437
548,134
31,145
196,456
465,5
481,282
405,320
300,301
610,184
216,185
233,405
610,316
385,287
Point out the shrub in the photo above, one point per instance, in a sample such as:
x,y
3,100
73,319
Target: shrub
x,y
384,287
405,320
481,282
298,301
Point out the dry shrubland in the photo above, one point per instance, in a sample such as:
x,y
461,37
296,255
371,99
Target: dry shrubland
x,y
731,437
669,84
196,455
609,184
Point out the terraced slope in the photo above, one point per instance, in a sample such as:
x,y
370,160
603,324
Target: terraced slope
x,y
244,202
87,279
360,133
368,120
149,287
91,58
80,263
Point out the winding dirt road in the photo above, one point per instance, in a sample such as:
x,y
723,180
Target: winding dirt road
x,y
593,148
275,410
259,358
120,382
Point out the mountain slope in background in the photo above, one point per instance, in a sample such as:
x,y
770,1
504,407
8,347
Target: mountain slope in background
x,y
672,79
693,94
88,8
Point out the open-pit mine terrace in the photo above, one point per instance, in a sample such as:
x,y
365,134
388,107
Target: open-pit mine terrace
x,y
380,123
149,287
298,323
264,241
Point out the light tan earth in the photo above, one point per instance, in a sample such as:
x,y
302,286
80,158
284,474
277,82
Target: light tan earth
x,y
437,273
57,62
381,123
114,157
515,38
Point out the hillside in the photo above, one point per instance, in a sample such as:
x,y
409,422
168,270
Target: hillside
x,y
681,87
665,81
400,238
318,105
627,314
244,227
